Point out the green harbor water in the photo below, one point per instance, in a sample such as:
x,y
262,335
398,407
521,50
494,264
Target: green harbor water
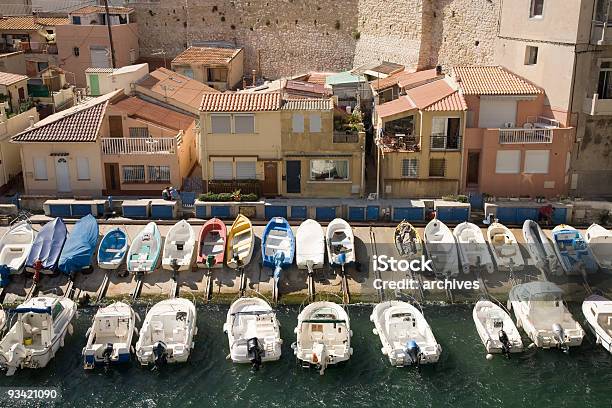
x,y
462,378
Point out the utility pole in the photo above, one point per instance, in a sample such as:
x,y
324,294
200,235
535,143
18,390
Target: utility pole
x,y
110,34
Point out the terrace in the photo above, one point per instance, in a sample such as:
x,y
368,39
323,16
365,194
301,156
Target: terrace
x,y
141,145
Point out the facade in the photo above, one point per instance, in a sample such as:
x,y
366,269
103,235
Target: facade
x,y
10,159
14,92
85,43
13,62
349,88
218,67
101,81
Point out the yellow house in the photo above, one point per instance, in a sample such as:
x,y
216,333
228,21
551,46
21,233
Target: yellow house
x,y
419,140
322,157
219,67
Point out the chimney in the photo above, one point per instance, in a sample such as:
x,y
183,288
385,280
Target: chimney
x,y
254,72
31,120
438,69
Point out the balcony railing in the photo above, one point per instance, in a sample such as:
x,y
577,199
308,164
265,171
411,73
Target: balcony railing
x,y
343,137
399,142
138,145
542,122
445,142
525,136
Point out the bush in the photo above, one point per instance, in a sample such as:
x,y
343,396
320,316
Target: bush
x,y
235,196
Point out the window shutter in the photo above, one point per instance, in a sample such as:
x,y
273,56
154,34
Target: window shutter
x,y
40,168
244,124
83,168
508,162
246,170
222,170
536,161
220,124
298,123
315,123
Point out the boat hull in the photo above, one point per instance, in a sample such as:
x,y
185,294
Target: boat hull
x,y
310,245
113,249
15,247
340,243
240,243
212,242
441,248
145,250
179,246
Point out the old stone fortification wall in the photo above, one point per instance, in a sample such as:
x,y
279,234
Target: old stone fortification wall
x,y
284,37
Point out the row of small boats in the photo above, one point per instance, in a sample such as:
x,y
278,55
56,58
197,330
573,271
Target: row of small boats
x,y
569,251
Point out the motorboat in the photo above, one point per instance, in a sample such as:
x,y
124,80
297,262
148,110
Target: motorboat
x,y
166,335
539,309
211,251
15,246
113,249
441,248
253,332
179,247
109,339
505,248
240,243
406,337
574,254
408,241
47,247
473,249
37,334
2,320
277,248
540,248
600,243
145,250
323,335
78,252
597,311
496,329
340,243
310,246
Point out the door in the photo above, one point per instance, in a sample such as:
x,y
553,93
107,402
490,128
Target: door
x,y
473,168
111,175
94,84
115,125
294,176
62,175
270,184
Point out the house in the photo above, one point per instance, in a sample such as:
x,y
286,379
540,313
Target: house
x,y
51,91
14,92
391,87
35,36
84,42
349,88
419,141
512,146
101,81
219,67
13,62
10,159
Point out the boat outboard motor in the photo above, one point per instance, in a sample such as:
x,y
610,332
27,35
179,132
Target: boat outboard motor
x,y
160,353
254,352
413,351
107,353
505,341
559,335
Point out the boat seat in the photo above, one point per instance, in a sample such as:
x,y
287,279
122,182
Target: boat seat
x,y
121,331
508,250
499,239
178,334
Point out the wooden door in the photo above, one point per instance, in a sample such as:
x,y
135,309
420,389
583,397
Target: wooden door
x,y
294,176
270,184
111,175
115,126
473,168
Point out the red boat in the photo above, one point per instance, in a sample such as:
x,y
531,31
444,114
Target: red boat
x,y
211,250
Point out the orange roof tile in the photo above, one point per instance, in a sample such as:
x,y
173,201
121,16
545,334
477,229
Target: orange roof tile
x,y
492,80
7,78
206,55
453,102
318,77
101,9
404,79
152,112
240,102
30,23
399,105
430,93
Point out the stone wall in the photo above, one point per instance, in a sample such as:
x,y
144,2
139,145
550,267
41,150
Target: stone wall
x,y
283,37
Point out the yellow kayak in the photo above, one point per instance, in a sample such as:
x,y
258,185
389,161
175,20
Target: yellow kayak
x,y
240,242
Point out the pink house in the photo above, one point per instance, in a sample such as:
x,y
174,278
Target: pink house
x,y
511,147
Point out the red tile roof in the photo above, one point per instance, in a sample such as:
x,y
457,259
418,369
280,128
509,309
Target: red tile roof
x,y
432,96
404,79
29,23
101,9
153,113
240,102
425,95
7,78
399,105
308,104
318,77
453,102
308,87
206,55
492,80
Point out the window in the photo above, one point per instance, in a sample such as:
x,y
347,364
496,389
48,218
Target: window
x,y
536,9
222,170
83,168
40,168
217,74
159,174
76,20
139,132
133,56
604,87
403,126
508,162
410,168
298,123
326,170
220,124
188,72
315,123
133,174
41,66
437,167
244,124
76,51
246,170
531,55
445,133
536,161
57,311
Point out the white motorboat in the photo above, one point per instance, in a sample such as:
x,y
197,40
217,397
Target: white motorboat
x,y
109,339
38,332
405,335
2,319
496,329
179,247
574,253
539,247
145,250
253,332
310,246
441,248
323,335
600,242
505,248
15,246
540,311
166,336
598,312
473,248
340,243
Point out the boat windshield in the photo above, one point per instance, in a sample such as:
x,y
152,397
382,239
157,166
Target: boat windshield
x,y
253,313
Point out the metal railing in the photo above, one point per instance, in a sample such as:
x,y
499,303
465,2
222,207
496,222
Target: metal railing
x,y
525,136
138,145
445,142
343,137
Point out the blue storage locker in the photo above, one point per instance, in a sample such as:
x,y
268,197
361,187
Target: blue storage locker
x,y
507,215
81,210
220,211
372,213
523,214
299,212
272,211
136,211
408,213
356,213
200,211
162,212
559,216
325,213
100,207
60,210
453,214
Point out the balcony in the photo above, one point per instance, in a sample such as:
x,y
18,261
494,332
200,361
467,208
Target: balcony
x,y
600,35
399,143
595,106
31,47
525,136
140,145
346,137
445,142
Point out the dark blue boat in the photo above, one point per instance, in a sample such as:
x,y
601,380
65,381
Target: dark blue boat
x,y
47,247
80,246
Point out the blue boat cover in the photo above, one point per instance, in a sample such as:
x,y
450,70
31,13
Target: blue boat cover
x,y
80,246
48,245
5,276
